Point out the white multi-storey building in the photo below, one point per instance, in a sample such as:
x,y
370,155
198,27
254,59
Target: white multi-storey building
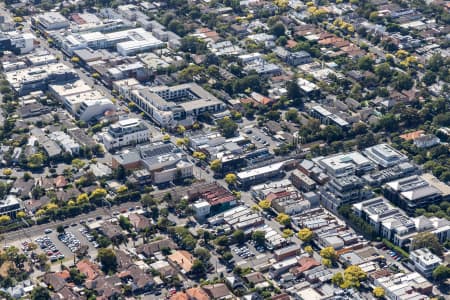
x,y
126,132
424,261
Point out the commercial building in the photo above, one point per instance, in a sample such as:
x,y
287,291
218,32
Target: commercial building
x,y
424,261
302,181
401,286
164,161
10,205
127,42
415,192
91,109
345,164
17,42
25,81
80,100
50,21
385,156
126,132
180,104
258,175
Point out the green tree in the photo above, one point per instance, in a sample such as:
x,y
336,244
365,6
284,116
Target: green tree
x,y
278,29
353,276
429,78
403,82
427,240
238,237
441,273
198,268
384,72
40,293
60,229
309,250
222,241
365,63
293,92
337,279
125,223
227,127
199,155
202,254
259,237
264,204
78,163
108,260
328,253
291,115
36,161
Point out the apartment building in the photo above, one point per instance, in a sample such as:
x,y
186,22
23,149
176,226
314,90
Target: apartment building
x,y
393,224
424,261
345,164
385,156
342,190
126,132
328,118
302,181
180,104
415,192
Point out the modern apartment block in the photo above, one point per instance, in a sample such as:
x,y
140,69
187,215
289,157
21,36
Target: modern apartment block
x,y
342,190
393,224
415,192
424,261
126,132
385,156
345,164
180,104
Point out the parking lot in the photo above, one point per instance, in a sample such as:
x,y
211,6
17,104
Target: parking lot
x,y
59,246
248,255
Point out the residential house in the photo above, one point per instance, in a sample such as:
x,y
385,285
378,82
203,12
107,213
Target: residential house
x,y
218,291
183,259
139,222
153,247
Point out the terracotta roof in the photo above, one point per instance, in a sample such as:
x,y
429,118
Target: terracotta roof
x,y
182,258
89,269
412,135
179,296
197,294
291,44
305,263
64,274
60,181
